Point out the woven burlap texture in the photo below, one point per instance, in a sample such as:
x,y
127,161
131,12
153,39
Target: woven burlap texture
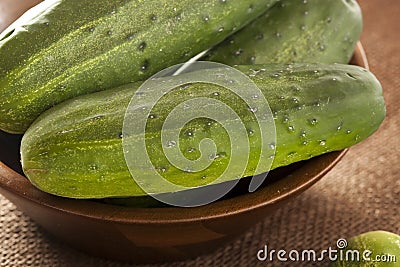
x,y
361,194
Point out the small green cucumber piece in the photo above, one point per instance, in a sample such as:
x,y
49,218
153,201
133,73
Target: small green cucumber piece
x,y
376,249
75,149
73,47
295,31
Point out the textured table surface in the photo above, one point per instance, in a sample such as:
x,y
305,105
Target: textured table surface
x,y
361,194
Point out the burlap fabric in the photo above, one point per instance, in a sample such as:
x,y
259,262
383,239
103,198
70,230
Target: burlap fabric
x,y
361,194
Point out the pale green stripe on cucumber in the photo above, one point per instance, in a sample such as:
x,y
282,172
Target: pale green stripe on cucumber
x,y
295,31
75,149
82,46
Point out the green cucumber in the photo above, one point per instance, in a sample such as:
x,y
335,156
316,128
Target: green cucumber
x,y
377,249
68,48
75,149
295,31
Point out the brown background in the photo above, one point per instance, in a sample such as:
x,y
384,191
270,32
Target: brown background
x,y
361,194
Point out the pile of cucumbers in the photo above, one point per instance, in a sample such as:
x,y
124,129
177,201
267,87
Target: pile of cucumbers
x,y
68,73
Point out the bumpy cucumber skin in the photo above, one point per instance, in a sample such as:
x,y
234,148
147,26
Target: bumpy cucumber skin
x,y
379,243
75,149
83,46
296,31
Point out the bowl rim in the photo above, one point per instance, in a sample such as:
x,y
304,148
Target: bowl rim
x,y
290,185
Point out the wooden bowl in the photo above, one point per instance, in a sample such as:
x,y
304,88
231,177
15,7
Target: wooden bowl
x,y
149,235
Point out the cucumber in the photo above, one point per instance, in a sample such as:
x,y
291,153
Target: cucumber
x,y
75,149
377,249
295,31
65,48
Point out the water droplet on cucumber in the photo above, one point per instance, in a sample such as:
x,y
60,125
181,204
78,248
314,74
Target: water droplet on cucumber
x,y
238,52
188,170
96,118
142,46
171,143
93,167
286,119
212,157
272,146
259,36
162,169
253,109
145,65
313,121
191,150
189,133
